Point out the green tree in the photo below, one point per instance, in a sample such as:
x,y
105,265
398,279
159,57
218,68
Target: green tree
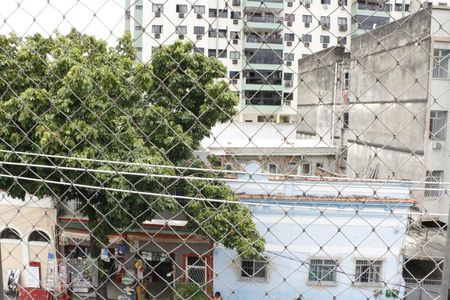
x,y
73,96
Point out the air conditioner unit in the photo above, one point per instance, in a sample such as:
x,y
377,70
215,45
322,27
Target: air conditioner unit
x,y
235,42
436,145
234,81
289,63
288,83
181,36
181,15
324,46
306,45
287,102
307,5
342,27
157,35
325,6
289,23
199,16
289,43
199,36
325,26
236,2
235,21
307,24
158,14
289,4
235,61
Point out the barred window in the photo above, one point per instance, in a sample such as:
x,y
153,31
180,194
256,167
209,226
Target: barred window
x,y
368,271
254,268
196,269
433,184
322,270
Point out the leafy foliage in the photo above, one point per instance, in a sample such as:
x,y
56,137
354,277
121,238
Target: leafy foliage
x,y
74,96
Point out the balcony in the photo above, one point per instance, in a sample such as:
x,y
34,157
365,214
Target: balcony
x,y
266,5
270,23
371,9
260,42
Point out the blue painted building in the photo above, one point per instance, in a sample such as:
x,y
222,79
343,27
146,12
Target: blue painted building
x,y
325,239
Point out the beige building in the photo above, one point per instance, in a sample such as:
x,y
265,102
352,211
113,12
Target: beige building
x,y
28,235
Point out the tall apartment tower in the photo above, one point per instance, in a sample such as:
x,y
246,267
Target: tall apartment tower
x,y
259,41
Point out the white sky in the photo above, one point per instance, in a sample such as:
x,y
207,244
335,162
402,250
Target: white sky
x,y
48,16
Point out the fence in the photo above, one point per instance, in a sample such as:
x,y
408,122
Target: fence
x,y
193,149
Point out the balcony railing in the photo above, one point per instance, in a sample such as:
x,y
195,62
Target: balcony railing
x,y
263,19
268,40
374,7
262,80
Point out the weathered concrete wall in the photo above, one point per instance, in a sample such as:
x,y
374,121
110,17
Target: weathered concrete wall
x,y
317,91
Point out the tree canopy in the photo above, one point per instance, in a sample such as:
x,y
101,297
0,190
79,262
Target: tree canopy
x,y
73,96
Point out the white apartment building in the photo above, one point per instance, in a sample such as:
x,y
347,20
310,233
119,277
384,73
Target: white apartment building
x,y
259,42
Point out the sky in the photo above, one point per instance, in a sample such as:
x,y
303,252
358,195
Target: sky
x,y
102,18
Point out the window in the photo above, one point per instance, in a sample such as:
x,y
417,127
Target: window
x,y
273,169
342,40
235,15
38,236
289,37
212,13
292,167
199,30
157,8
433,184
9,233
342,21
322,270
212,52
235,55
325,2
438,125
234,74
368,271
324,39
181,29
288,76
441,63
306,169
289,56
199,9
157,29
199,50
254,269
222,53
347,79
196,269
307,19
325,21
234,35
307,38
398,7
345,120
289,17
181,8
223,13
288,96
319,165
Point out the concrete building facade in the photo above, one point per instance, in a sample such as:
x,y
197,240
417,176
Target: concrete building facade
x,y
395,104
258,41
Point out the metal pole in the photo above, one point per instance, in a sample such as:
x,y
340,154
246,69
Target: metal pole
x,y
2,291
446,268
